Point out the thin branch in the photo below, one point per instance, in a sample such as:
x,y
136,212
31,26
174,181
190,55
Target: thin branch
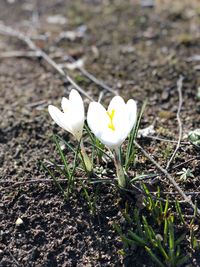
x,y
179,88
93,78
40,53
96,81
170,178
144,194
30,54
8,31
183,163
186,193
12,256
9,54
13,183
33,181
165,140
37,103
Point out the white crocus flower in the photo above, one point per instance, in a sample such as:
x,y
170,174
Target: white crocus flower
x,y
73,115
112,126
72,120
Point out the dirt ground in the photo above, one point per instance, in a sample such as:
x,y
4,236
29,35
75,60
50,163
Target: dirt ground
x,y
138,51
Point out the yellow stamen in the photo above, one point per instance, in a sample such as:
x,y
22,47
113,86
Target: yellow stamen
x,y
111,116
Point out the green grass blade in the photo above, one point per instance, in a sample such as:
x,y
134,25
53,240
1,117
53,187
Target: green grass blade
x,y
101,150
71,178
150,234
162,250
117,228
92,137
66,143
62,156
154,258
194,215
179,211
171,241
142,177
166,208
137,238
179,240
55,180
136,218
182,261
126,241
88,198
130,154
96,143
58,168
165,230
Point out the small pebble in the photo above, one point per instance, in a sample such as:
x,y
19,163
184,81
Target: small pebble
x,y
19,222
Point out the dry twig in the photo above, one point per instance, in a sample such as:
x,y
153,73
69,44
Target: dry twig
x,y
165,140
18,54
37,52
12,256
179,88
187,161
34,181
93,78
40,53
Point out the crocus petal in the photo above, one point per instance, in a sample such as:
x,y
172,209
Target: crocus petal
x,y
97,118
76,113
73,115
98,121
120,117
77,102
131,110
59,117
77,124
117,103
111,139
65,104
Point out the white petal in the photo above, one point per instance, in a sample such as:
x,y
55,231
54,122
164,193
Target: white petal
x,y
120,119
131,109
65,104
77,113
111,139
97,118
59,117
74,113
98,121
126,119
77,123
117,103
76,102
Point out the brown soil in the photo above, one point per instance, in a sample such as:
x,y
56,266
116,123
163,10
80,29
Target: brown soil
x,y
138,51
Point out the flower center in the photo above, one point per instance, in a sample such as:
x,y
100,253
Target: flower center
x,y
111,116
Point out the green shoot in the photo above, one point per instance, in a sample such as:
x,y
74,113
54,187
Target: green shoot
x,y
91,198
47,169
155,232
131,150
61,155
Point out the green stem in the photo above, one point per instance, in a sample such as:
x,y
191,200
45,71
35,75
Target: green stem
x,y
120,172
85,158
